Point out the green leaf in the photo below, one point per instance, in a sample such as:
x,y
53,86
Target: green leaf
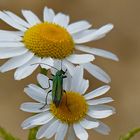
x,y
130,134
32,133
6,136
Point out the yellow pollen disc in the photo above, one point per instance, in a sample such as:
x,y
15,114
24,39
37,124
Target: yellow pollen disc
x,y
72,109
49,40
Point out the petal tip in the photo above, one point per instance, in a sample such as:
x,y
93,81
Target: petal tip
x,y
111,25
117,59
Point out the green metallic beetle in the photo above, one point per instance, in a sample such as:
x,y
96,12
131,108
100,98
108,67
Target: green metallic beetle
x,y
57,87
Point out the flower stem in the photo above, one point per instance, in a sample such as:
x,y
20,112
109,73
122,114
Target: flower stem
x,y
32,133
6,136
130,134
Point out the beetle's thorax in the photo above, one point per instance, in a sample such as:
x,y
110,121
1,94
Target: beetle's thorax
x,y
60,72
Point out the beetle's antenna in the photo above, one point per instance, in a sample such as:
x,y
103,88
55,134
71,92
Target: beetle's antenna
x,y
46,64
61,64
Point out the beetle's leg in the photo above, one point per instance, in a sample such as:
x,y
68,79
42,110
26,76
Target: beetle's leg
x,y
48,86
66,70
61,64
47,95
52,74
67,102
46,99
49,83
64,76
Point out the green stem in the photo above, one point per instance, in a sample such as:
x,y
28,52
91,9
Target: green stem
x,y
6,136
130,134
32,133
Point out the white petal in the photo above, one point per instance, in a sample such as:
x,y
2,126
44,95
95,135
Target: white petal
x,y
36,93
56,66
80,132
78,26
4,45
39,90
11,52
11,22
35,60
80,34
33,107
48,14
27,69
31,17
84,86
97,92
51,130
77,79
105,29
71,134
100,101
102,107
43,80
97,72
89,124
100,114
91,36
67,83
23,72
59,65
103,129
100,111
16,62
98,52
61,131
6,36
47,63
69,66
43,129
80,58
17,19
61,19
17,33
77,36
38,119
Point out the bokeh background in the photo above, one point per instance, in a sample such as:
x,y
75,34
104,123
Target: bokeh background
x,y
124,40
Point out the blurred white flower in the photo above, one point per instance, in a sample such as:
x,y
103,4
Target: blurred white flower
x,y
80,112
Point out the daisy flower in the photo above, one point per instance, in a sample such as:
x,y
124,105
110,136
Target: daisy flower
x,y
76,113
44,42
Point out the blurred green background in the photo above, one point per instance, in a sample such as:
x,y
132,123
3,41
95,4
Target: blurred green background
x,y
124,40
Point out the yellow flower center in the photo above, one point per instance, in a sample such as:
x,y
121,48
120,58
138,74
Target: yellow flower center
x,y
72,109
49,40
